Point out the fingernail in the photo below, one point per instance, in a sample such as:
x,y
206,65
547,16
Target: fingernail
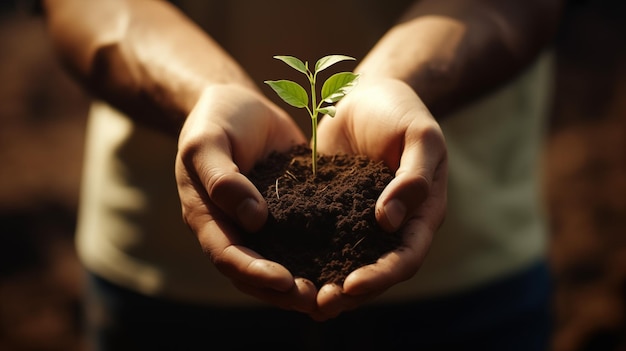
x,y
395,212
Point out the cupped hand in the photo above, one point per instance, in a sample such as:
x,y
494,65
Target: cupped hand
x,y
227,132
385,120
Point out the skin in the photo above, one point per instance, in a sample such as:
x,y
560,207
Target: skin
x,y
148,59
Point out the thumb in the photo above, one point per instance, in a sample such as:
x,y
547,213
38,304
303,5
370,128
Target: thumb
x,y
236,196
417,179
402,196
213,175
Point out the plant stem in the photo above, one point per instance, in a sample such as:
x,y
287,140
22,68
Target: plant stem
x,y
314,150
313,123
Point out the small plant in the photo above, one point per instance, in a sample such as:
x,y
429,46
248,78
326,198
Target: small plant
x,y
333,90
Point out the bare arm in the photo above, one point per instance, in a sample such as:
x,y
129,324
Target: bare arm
x,y
154,64
442,54
453,51
143,56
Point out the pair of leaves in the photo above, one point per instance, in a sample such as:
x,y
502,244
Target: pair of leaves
x,y
320,65
333,89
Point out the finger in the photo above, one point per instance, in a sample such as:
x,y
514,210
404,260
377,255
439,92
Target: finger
x,y
205,158
234,194
218,237
368,282
216,180
301,296
393,267
423,155
332,301
240,263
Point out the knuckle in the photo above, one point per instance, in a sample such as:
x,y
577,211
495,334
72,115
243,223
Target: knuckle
x,y
431,135
189,148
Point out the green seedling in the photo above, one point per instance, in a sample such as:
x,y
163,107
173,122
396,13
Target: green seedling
x,y
333,90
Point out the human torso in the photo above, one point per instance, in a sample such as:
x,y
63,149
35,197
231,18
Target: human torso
x,y
131,230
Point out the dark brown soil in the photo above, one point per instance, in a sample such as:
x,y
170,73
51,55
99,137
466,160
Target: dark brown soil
x,y
321,227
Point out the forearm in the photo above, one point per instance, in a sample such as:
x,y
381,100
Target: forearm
x,y
453,51
142,56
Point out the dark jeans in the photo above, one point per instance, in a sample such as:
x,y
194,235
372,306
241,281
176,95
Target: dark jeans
x,y
511,314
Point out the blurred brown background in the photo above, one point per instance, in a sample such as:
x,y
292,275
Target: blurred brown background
x,y
41,135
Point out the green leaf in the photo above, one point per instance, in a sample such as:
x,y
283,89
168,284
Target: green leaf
x,y
330,60
291,92
328,110
337,86
294,62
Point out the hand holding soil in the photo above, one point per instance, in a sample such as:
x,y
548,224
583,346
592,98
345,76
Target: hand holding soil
x,y
219,144
385,120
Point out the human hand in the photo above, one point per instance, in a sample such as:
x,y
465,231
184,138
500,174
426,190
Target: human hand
x,y
386,120
227,132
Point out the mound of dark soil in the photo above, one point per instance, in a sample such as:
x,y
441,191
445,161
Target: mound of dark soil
x,y
321,227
